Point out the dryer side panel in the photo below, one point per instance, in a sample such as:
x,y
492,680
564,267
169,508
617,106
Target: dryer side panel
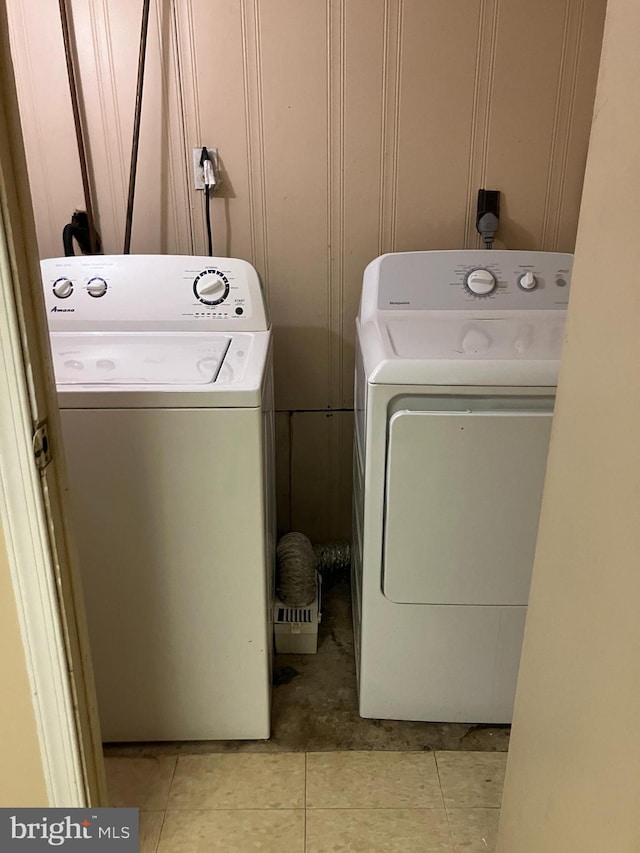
x,y
463,495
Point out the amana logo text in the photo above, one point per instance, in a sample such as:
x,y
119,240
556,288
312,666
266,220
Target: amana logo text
x,y
62,310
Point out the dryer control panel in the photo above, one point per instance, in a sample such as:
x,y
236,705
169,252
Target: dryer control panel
x,y
467,280
153,293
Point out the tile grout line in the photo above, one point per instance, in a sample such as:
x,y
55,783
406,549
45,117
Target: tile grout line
x,y
377,808
444,805
435,759
166,807
337,809
164,817
173,776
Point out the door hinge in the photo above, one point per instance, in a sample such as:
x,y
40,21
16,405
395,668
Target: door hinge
x,y
41,448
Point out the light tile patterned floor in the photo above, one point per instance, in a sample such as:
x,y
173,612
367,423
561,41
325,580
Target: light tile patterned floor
x,y
321,802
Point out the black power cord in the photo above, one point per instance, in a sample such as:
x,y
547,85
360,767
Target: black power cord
x,y
207,216
208,170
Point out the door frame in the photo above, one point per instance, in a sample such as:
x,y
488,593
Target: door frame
x,y
33,500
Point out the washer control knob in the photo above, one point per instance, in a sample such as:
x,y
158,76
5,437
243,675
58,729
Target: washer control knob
x,y
481,282
97,287
211,287
528,281
62,288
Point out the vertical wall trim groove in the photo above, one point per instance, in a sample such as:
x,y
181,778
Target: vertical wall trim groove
x,y
556,129
490,77
480,131
571,114
335,194
255,139
111,129
262,149
193,62
122,153
169,183
383,123
186,164
396,125
330,202
248,127
469,219
254,125
393,17
342,235
194,78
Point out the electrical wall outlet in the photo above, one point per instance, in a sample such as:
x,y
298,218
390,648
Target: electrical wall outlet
x,y
198,171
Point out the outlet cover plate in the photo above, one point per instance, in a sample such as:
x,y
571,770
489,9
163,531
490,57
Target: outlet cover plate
x,y
198,171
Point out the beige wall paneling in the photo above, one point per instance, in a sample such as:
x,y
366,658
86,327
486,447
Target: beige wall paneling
x,y
435,80
589,24
283,471
293,53
107,37
214,80
345,129
363,63
392,26
254,126
172,145
321,474
336,45
532,83
107,42
106,47
46,117
479,131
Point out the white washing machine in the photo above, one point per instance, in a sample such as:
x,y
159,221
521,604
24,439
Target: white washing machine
x,y
456,370
163,371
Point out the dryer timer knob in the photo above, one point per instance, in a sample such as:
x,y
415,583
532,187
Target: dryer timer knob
x,y
481,282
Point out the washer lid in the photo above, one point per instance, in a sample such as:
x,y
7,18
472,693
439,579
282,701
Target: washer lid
x,y
138,359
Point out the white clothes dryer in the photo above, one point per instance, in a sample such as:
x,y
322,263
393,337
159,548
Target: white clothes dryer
x,y
164,379
456,369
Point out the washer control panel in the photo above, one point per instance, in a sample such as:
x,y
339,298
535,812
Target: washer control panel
x,y
154,293
468,279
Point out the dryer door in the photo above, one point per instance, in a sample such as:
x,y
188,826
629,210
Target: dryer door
x,y
463,495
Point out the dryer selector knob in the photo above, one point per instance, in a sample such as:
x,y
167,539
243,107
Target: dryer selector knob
x,y
97,287
211,287
62,288
528,281
481,282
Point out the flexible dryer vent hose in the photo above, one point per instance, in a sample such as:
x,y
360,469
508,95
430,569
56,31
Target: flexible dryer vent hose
x,y
298,562
333,557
